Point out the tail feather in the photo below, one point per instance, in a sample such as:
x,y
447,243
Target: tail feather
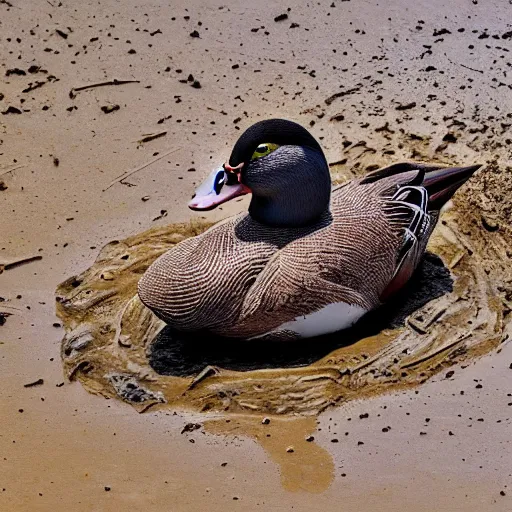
x,y
441,184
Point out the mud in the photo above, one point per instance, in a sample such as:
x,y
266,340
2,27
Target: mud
x,y
376,83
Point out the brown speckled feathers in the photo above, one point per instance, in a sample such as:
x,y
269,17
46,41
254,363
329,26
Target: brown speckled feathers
x,y
243,279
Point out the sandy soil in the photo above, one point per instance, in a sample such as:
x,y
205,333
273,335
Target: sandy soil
x,y
423,82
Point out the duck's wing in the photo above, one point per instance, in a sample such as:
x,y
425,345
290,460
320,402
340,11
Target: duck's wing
x,y
408,208
415,194
396,169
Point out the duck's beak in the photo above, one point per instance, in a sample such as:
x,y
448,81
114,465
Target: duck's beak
x,y
215,190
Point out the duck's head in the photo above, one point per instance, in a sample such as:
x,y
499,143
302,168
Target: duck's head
x,y
284,168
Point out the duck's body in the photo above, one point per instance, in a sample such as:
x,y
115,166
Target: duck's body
x,y
249,277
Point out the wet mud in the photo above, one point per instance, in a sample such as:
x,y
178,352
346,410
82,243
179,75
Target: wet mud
x,y
82,164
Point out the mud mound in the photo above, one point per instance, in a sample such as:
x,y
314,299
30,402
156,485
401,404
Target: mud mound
x,y
111,338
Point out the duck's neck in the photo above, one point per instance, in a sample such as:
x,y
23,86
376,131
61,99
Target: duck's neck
x,y
283,211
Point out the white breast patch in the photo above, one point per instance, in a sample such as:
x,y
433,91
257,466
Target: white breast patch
x,y
331,318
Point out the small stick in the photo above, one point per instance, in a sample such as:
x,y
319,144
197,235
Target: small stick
x,y
472,69
16,263
8,306
74,90
127,174
38,382
206,372
464,65
13,169
152,136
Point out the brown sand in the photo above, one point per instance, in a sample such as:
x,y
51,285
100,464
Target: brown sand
x,y
443,446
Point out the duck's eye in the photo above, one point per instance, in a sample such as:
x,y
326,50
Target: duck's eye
x,y
263,150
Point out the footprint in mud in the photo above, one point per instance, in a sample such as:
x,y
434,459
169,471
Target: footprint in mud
x,y
183,355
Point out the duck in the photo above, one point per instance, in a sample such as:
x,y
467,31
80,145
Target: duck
x,y
306,259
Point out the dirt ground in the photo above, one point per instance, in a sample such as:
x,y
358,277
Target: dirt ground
x,y
376,82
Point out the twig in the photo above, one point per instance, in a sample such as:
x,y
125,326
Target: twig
x,y
13,169
472,69
8,306
127,174
464,65
17,263
152,136
72,92
38,382
207,371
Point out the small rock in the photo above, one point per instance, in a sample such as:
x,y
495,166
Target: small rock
x,y
15,71
11,110
196,84
450,137
107,109
337,117
190,427
407,106
310,439
489,224
265,421
195,33
3,186
290,449
281,17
